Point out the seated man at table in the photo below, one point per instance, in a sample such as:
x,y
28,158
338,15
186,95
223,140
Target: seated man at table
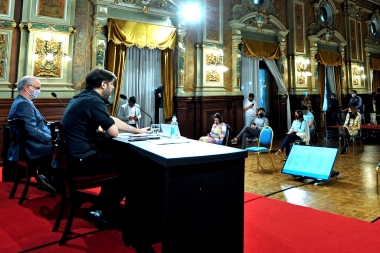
x,y
253,131
38,138
85,118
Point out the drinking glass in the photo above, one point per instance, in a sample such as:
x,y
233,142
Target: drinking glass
x,y
155,128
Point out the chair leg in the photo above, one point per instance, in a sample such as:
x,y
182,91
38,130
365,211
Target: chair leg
x,y
61,207
70,217
274,169
16,182
257,163
28,175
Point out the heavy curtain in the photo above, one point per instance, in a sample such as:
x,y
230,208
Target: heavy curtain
x,y
374,66
167,77
261,49
116,64
326,58
129,33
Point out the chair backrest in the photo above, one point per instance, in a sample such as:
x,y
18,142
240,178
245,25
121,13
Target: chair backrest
x,y
227,140
59,146
18,139
266,137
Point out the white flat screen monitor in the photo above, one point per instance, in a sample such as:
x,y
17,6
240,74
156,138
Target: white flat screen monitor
x,y
310,162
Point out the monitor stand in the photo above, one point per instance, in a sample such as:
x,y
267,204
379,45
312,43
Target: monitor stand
x,y
333,174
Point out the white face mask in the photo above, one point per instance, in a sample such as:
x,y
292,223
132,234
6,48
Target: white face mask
x,y
35,93
353,95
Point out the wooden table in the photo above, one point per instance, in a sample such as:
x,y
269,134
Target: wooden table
x,y
188,196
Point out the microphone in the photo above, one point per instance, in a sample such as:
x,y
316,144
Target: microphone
x,y
55,95
122,96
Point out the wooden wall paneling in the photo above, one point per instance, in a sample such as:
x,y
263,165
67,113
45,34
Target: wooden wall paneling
x,y
198,112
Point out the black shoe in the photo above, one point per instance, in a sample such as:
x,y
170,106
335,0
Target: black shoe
x,y
43,183
144,248
343,151
97,218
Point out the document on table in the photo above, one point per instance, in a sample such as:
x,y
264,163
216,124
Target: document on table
x,y
164,141
130,135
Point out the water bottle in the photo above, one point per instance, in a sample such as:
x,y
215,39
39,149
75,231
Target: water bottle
x,y
173,131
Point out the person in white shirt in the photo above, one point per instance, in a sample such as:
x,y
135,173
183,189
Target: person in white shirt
x,y
250,109
130,113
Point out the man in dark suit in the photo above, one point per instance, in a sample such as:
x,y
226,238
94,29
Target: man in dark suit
x,y
38,138
334,110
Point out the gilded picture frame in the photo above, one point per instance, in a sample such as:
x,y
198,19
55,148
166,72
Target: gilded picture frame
x,y
7,9
52,8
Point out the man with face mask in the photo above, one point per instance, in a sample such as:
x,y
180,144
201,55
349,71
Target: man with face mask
x,y
333,110
252,131
38,138
86,126
356,101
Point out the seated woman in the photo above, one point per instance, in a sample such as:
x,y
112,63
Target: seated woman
x,y
351,126
218,131
296,132
253,131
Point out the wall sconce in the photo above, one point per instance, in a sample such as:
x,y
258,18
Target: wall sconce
x,y
302,67
358,73
214,65
48,57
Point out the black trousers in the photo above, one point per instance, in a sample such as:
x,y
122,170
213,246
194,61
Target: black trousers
x,y
110,194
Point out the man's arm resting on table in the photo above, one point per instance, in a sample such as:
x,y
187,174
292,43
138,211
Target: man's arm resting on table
x,y
120,125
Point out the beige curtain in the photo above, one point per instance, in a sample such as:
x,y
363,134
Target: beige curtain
x,y
261,49
167,76
329,58
116,64
123,34
338,81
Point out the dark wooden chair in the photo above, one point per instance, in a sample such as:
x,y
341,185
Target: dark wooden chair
x,y
18,137
70,185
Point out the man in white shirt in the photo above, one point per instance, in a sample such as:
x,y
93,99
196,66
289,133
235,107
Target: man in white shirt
x,y
130,112
250,109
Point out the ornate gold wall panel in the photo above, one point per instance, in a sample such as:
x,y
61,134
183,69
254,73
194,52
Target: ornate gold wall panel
x,y
7,26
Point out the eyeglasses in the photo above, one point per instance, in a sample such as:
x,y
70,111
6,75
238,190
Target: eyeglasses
x,y
35,88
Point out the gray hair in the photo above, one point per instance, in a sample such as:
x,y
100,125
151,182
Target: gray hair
x,y
26,80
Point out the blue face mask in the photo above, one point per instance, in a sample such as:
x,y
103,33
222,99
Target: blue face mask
x,y
35,93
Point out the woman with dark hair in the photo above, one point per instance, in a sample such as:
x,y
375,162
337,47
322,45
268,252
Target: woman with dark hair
x,y
218,130
296,132
351,126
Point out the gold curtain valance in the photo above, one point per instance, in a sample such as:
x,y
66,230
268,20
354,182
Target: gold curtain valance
x,y
374,64
261,49
141,35
329,58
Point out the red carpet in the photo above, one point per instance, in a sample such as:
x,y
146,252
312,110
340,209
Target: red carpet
x,y
269,226
276,226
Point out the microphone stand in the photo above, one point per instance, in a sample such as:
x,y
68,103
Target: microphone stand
x,y
151,120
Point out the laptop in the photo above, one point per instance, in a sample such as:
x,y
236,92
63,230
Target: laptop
x,y
167,129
